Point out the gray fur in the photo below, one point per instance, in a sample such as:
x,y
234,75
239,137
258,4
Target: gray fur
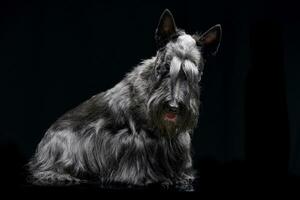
x,y
120,135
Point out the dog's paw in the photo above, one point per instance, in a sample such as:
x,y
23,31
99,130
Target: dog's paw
x,y
166,184
185,184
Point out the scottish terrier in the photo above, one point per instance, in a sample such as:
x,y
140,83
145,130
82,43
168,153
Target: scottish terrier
x,y
138,132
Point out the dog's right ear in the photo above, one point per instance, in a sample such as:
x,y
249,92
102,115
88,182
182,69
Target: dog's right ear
x,y
165,30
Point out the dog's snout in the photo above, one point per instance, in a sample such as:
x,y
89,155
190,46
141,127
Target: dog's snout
x,y
173,106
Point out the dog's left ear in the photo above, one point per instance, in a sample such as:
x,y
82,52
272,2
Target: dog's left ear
x,y
210,40
166,29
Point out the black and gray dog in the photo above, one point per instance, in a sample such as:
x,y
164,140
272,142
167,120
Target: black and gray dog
x,y
138,132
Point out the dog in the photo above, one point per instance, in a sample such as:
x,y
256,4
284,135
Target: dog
x,y
138,132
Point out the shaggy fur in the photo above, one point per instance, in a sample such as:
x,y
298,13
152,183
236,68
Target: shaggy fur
x,y
138,132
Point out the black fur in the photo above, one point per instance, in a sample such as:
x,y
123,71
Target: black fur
x,y
138,132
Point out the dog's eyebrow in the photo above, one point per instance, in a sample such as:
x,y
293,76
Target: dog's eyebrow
x,y
190,70
176,63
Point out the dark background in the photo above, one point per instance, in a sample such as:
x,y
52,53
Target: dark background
x,y
56,54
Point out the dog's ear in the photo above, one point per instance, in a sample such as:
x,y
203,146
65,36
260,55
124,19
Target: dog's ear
x,y
210,40
166,29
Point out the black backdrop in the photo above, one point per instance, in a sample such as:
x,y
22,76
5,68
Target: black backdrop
x,y
56,54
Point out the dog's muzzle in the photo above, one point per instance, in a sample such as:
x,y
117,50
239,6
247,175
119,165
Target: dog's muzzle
x,y
171,113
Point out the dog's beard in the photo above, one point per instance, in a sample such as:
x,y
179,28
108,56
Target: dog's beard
x,y
169,123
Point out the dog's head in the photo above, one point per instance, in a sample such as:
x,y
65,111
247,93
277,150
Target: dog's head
x,y
174,101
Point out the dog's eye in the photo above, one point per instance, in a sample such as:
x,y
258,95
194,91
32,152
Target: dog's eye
x,y
165,72
167,66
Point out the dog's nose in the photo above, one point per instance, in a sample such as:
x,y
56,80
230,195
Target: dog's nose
x,y
173,106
